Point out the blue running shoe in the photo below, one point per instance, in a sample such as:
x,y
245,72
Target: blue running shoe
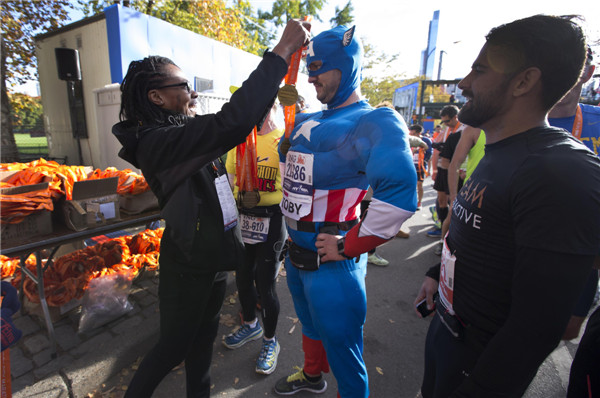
x,y
435,233
243,335
267,360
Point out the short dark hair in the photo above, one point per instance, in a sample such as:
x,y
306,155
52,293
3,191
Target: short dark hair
x,y
554,45
449,110
141,77
416,127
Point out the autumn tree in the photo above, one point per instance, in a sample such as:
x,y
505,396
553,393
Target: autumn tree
x,y
343,16
21,20
236,25
379,82
27,111
284,10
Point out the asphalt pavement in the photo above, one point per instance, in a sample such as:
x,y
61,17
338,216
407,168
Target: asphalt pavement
x,y
102,363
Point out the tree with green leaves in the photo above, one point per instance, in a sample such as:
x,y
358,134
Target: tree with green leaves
x,y
378,88
235,25
27,111
343,16
284,10
21,20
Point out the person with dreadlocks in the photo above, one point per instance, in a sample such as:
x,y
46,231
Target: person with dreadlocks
x,y
334,156
179,155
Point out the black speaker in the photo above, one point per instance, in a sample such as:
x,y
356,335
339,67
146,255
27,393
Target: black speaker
x,y
67,63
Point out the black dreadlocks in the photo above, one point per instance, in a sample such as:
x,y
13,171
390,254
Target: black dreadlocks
x,y
141,77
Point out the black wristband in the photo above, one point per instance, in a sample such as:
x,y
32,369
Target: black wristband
x,y
341,246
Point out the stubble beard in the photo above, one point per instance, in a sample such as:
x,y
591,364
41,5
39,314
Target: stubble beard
x,y
481,109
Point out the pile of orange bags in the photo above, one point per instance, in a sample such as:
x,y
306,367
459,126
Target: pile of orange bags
x,y
70,274
61,179
14,208
129,182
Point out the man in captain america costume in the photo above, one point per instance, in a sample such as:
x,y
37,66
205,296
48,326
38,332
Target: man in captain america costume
x,y
334,156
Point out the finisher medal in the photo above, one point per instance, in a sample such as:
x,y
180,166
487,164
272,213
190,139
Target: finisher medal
x,y
288,95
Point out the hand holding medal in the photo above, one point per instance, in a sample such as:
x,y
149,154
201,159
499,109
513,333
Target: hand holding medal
x,y
288,95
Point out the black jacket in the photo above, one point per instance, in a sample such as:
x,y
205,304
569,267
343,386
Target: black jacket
x,y
180,162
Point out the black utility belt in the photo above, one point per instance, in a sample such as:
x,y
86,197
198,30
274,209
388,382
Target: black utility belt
x,y
326,227
304,259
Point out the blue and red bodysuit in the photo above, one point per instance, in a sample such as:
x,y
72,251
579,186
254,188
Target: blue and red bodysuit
x,y
335,155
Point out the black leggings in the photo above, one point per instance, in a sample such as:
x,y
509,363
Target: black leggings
x,y
258,273
189,319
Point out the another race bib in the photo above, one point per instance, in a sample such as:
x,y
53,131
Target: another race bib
x,y
227,202
297,185
254,229
446,287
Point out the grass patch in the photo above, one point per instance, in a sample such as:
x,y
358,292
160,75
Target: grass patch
x,y
31,145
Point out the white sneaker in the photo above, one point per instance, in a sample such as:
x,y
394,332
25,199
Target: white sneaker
x,y
376,259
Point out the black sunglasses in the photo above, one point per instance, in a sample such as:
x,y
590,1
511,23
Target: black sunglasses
x,y
187,86
446,121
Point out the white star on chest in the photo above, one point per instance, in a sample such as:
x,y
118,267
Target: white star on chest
x,y
305,130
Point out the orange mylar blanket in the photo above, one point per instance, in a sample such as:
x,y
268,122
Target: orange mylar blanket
x,y
129,182
62,177
71,274
14,208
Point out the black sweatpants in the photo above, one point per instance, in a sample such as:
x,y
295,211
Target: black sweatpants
x,y
189,318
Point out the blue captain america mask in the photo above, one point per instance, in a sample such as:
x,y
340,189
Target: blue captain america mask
x,y
337,49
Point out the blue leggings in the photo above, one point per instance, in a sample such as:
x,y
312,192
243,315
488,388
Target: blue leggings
x,y
331,303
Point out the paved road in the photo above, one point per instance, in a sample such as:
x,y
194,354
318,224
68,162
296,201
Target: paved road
x,y
394,336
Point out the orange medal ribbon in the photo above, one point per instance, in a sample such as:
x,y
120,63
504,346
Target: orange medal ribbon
x,y
453,131
245,164
291,77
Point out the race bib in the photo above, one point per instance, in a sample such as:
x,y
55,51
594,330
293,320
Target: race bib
x,y
254,229
446,287
227,202
297,185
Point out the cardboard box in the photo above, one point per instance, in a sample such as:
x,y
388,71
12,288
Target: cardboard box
x,y
56,313
36,224
94,203
135,204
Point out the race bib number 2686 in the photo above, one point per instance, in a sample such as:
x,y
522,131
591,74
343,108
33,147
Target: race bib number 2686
x,y
297,185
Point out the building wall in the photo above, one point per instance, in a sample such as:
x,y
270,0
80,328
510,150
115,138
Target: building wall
x,y
107,44
90,41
